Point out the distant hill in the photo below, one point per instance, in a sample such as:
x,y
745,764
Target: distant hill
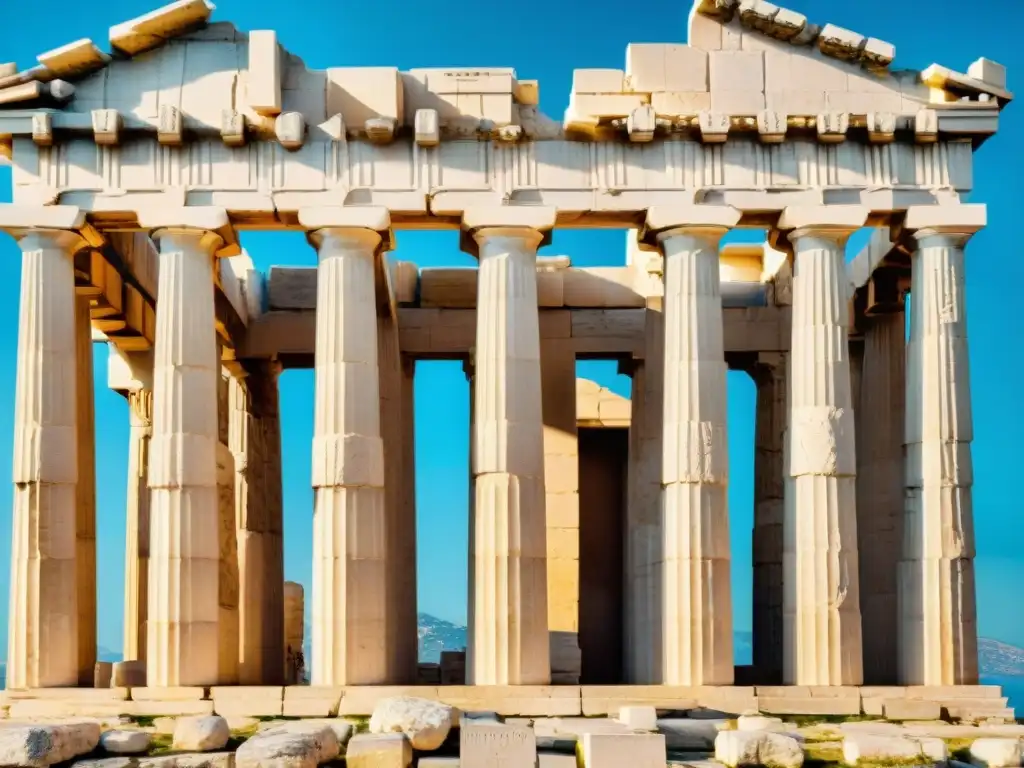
x,y
436,635
997,658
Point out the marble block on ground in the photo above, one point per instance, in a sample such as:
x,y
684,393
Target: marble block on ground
x,y
488,744
615,750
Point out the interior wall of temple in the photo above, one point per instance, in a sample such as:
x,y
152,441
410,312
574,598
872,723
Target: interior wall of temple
x,y
604,458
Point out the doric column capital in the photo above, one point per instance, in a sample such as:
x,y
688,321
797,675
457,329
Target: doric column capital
x,y
833,223
951,226
129,371
366,227
708,223
207,227
44,226
530,223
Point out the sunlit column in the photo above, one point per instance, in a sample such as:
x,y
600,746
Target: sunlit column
x,y
44,615
509,629
821,624
696,623
350,566
182,632
937,611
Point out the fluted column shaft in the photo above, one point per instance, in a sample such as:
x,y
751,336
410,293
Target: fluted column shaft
x,y
880,421
509,632
769,468
136,561
937,611
349,523
255,441
43,621
643,548
182,632
85,524
697,644
821,629
396,413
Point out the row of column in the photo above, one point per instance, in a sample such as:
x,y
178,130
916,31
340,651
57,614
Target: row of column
x,y
679,602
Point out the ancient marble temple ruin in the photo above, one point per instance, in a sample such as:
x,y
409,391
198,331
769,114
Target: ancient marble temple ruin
x,y
136,170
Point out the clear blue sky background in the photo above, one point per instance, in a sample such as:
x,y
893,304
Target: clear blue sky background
x,y
545,40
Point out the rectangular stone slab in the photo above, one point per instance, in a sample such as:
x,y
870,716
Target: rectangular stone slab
x,y
496,745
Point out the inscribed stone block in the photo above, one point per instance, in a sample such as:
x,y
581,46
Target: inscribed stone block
x,y
495,745
641,750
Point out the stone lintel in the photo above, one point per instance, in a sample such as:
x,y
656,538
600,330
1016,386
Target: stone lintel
x,y
663,220
923,220
22,217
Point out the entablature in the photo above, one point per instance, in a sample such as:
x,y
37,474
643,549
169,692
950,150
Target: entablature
x,y
748,68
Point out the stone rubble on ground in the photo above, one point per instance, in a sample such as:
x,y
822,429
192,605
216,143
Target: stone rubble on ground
x,y
43,745
203,733
425,723
295,744
875,748
639,718
181,760
121,742
690,735
996,753
736,748
377,750
756,722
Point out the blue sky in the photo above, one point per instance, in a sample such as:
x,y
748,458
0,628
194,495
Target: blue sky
x,y
545,40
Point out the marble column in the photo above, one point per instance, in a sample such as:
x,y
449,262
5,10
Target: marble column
x,y
136,561
769,374
255,440
350,546
182,633
408,502
85,490
821,624
562,501
509,630
44,616
642,592
228,611
399,471
696,626
937,612
880,417
131,374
